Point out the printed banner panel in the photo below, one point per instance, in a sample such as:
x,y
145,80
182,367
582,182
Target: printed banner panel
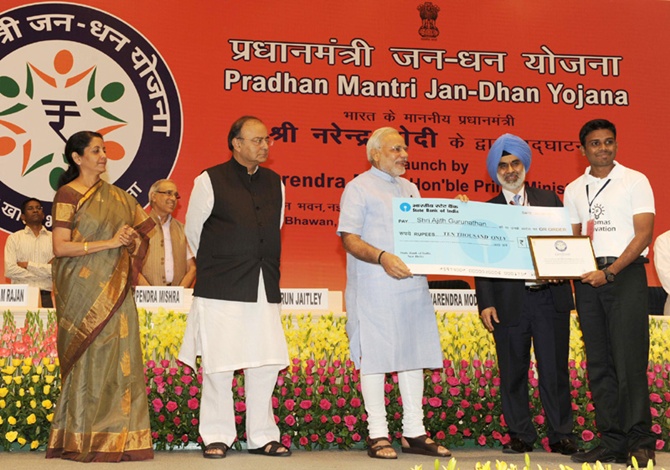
x,y
164,81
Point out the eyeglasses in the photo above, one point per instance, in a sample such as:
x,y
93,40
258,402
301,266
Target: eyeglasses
x,y
514,165
398,148
259,140
173,194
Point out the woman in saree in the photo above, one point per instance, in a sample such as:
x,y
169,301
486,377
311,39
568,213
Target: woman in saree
x,y
99,238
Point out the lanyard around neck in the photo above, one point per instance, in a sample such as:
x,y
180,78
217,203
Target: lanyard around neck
x,y
597,194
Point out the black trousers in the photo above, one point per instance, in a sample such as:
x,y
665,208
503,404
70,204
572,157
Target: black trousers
x,y
615,326
549,332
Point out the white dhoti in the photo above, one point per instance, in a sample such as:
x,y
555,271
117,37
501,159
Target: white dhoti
x,y
230,336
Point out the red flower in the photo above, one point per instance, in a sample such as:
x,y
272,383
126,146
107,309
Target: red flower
x,y
330,437
187,379
314,437
308,418
355,437
289,404
337,419
157,403
587,435
306,404
240,407
193,404
325,404
580,420
481,440
545,444
440,435
453,429
355,402
290,420
349,421
303,441
193,391
435,402
171,406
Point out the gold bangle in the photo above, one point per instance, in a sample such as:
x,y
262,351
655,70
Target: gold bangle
x,y
85,248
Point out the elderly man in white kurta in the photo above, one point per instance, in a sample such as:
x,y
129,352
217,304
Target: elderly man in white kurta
x,y
233,222
390,317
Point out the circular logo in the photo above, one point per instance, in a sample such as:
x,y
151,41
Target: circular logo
x,y
560,245
66,68
405,207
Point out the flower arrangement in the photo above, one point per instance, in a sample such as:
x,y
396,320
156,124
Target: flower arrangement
x,y
317,400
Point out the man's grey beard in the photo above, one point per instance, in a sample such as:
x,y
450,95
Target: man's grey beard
x,y
514,187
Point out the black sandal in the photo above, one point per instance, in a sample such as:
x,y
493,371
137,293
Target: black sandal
x,y
374,447
272,450
215,446
420,445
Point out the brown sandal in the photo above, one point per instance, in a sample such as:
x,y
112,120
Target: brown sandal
x,y
420,445
376,445
217,446
271,449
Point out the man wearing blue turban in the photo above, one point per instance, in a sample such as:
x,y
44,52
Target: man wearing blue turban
x,y
519,312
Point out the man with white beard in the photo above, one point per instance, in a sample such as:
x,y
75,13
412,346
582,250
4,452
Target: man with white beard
x,y
519,312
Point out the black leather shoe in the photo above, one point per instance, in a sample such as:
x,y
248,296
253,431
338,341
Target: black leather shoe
x,y
599,454
517,446
643,456
565,446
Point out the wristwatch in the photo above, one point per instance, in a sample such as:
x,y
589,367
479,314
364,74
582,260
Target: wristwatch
x,y
609,275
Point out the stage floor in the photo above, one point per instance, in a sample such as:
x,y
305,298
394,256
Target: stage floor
x,y
466,459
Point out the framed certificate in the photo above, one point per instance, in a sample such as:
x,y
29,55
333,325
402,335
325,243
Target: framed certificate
x,y
566,257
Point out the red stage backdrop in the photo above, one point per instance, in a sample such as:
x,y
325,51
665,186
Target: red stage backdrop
x,y
164,80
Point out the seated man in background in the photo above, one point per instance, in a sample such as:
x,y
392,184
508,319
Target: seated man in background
x,y
28,252
169,260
